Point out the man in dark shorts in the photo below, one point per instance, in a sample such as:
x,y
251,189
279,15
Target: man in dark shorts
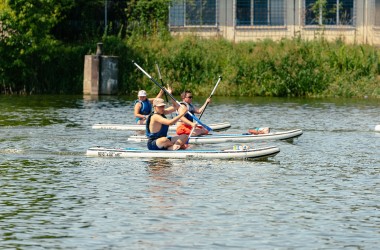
x,y
157,127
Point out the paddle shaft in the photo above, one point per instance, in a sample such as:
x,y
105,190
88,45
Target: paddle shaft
x,y
171,96
192,130
162,82
212,92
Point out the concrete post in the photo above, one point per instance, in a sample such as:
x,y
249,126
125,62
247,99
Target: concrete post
x,y
100,73
91,75
109,75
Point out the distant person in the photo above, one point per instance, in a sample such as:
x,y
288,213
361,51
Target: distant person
x,y
143,105
186,124
258,131
157,127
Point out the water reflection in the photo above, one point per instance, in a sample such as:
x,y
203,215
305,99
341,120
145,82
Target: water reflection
x,y
164,185
157,164
90,98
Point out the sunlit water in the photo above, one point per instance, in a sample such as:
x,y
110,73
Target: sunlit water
x,y
321,191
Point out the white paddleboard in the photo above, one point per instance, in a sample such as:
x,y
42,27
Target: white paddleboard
x,y
377,128
136,127
220,138
246,153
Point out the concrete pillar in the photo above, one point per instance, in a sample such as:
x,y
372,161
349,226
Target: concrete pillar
x,y
91,75
109,75
100,73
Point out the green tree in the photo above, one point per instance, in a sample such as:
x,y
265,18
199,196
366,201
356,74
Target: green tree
x,y
147,17
43,42
27,41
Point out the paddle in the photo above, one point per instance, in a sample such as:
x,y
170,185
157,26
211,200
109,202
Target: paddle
x,y
212,92
171,96
216,85
163,84
192,130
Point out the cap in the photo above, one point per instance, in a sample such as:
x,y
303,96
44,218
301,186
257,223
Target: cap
x,y
158,102
142,93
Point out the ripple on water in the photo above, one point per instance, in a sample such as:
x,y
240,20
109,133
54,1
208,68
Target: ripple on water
x,y
321,191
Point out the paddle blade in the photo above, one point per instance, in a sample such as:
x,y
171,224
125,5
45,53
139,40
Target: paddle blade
x,y
201,123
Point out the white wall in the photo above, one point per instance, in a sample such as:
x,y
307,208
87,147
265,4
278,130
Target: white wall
x,y
363,32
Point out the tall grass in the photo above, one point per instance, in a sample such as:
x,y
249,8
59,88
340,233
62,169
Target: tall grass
x,y
285,68
267,68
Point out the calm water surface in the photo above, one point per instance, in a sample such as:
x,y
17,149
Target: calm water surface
x,y
321,191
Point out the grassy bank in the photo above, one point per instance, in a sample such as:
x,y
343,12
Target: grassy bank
x,y
286,68
267,68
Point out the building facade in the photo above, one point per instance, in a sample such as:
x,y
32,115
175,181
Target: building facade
x,y
353,21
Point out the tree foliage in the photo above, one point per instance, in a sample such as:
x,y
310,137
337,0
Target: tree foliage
x,y
38,37
27,41
148,17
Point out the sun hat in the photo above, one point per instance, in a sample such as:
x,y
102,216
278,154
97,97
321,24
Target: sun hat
x,y
142,93
158,102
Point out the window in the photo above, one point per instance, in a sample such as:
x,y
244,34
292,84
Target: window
x,y
193,13
260,12
377,12
329,12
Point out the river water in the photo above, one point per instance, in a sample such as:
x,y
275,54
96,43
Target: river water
x,y
322,191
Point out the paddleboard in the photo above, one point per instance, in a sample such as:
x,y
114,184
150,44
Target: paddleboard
x,y
246,153
220,138
136,127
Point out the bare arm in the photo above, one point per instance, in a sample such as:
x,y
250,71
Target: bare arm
x,y
174,103
159,95
200,110
169,110
182,111
187,121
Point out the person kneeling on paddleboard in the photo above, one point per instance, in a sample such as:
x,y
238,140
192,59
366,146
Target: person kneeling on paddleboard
x,y
157,127
185,125
143,105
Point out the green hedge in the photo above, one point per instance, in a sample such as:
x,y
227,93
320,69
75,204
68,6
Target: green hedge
x,y
267,68
286,68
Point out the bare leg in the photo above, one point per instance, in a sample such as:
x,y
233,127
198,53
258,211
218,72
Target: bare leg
x,y
164,142
266,130
199,131
178,141
258,131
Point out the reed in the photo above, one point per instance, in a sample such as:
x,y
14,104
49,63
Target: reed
x,y
267,68
294,67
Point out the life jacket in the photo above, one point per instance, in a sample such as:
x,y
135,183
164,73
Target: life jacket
x,y
145,109
163,132
191,109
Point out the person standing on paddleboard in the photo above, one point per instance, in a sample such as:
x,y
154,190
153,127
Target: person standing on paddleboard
x,y
143,105
157,126
186,124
